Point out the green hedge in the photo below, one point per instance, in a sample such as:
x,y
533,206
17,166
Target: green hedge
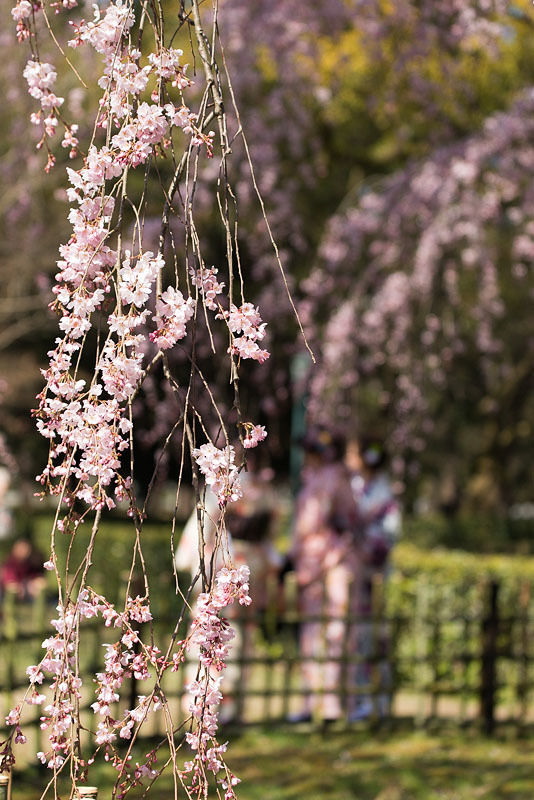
x,y
475,533
459,566
115,540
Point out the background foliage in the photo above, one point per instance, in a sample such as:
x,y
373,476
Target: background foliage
x,y
345,104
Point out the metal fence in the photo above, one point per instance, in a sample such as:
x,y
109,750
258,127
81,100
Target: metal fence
x,y
459,650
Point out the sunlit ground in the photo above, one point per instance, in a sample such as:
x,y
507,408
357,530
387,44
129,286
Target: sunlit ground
x,y
288,765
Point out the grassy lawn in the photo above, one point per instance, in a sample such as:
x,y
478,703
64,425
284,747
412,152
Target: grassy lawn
x,y
288,765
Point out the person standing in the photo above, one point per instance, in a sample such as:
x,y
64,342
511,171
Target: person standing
x,y
248,539
327,570
23,570
379,521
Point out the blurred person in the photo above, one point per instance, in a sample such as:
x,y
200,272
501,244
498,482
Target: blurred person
x,y
324,554
249,524
379,522
249,528
23,570
187,560
187,556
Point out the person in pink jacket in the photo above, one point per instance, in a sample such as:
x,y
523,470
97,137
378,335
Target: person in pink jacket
x,y
327,566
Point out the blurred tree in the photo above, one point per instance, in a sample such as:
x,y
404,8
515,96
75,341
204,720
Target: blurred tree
x,y
433,339
335,96
352,92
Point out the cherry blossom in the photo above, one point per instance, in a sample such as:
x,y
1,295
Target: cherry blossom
x,y
209,285
246,320
220,471
173,312
254,435
41,78
116,324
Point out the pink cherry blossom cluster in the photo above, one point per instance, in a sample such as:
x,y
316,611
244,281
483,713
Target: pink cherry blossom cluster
x,y
105,32
209,285
172,314
220,471
90,445
167,64
41,78
116,316
212,634
59,666
254,434
123,80
65,686
136,281
246,320
210,631
21,14
22,10
85,280
132,145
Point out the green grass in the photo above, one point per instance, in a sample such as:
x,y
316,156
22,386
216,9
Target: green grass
x,y
286,765
290,765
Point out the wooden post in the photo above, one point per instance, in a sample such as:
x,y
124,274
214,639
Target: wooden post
x,y
524,643
488,667
465,662
375,655
4,785
291,650
347,682
420,644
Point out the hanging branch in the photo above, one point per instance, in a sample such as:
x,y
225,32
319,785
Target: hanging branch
x,y
112,300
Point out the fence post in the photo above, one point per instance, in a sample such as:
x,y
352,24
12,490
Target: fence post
x,y
488,666
349,652
290,618
376,657
420,645
525,593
